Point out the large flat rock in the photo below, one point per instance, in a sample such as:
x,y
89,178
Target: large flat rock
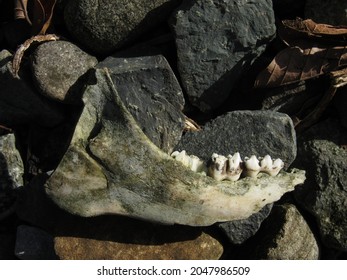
x,y
216,42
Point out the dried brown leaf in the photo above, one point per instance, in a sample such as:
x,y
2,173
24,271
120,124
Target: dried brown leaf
x,y
42,15
290,31
301,63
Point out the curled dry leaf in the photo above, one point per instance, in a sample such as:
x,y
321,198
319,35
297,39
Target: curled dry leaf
x,y
301,63
42,16
41,13
290,31
314,49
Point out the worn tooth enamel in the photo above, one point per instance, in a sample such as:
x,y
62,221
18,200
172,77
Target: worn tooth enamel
x,y
252,167
217,167
277,165
271,167
181,157
230,167
197,165
192,162
266,163
234,168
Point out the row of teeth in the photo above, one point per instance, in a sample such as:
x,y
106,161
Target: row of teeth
x,y
231,167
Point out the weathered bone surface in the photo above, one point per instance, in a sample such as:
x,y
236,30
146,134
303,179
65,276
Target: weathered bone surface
x,y
112,168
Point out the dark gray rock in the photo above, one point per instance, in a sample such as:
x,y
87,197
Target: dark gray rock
x,y
216,42
327,11
152,94
239,231
34,244
57,70
106,26
11,164
11,174
286,236
247,132
19,103
324,192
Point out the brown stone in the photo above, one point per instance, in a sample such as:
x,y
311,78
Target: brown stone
x,y
122,238
77,248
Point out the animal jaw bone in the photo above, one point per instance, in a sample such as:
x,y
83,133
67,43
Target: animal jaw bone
x,y
231,167
101,173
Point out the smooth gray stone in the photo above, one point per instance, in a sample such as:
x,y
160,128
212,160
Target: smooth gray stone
x,y
20,104
152,94
57,69
106,26
111,167
216,43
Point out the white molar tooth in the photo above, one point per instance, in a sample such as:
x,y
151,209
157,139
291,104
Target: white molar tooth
x,y
234,168
252,167
196,164
271,167
182,157
192,162
178,155
217,168
278,164
266,163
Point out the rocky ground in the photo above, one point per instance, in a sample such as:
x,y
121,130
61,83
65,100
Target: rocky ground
x,y
88,125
